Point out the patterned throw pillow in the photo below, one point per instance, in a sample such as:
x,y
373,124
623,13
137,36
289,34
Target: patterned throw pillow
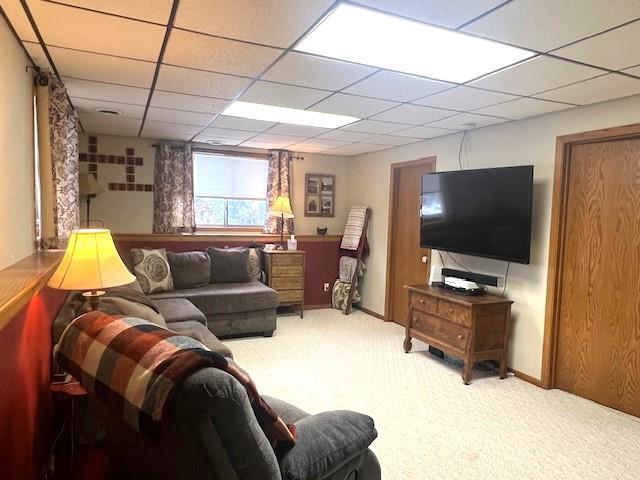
x,y
151,268
254,265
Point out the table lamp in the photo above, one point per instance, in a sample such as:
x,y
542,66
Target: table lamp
x,y
282,209
89,187
90,263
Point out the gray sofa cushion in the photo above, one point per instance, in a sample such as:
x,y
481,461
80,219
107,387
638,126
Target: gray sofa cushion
x,y
199,332
325,441
189,269
227,297
179,310
229,265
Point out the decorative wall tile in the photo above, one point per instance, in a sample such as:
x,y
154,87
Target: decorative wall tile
x,y
130,161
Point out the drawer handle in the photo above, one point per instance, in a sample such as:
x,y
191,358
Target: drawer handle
x,y
422,300
460,337
415,319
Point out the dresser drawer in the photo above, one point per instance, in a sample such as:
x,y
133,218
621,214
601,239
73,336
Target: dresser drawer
x,y
287,259
423,303
454,312
286,283
288,296
448,333
287,271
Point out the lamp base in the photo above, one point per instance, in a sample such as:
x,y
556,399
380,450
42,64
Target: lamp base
x,y
94,297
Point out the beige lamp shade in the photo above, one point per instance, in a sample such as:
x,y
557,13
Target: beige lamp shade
x,y
91,262
282,208
89,185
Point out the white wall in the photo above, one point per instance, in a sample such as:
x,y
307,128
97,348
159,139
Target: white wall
x,y
526,142
17,202
132,212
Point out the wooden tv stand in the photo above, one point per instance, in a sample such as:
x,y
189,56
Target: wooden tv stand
x,y
467,327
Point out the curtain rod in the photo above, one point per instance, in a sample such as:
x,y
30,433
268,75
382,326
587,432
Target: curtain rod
x,y
235,153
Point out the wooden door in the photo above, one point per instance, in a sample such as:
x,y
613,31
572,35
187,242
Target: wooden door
x,y
405,255
598,336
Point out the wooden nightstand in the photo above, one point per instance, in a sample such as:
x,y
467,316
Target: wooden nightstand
x,y
285,274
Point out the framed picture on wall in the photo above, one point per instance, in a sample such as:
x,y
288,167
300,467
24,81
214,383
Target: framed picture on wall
x,y
319,195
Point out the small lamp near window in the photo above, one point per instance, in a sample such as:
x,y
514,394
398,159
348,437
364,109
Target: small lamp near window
x,y
282,209
89,187
90,263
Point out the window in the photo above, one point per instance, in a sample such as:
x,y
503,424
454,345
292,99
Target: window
x,y
229,191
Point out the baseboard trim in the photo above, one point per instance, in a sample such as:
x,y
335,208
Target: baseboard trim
x,y
317,307
369,312
526,378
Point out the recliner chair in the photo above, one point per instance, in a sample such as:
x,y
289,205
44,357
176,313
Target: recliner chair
x,y
211,433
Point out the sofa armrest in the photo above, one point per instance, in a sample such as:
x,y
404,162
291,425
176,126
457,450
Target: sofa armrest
x,y
325,442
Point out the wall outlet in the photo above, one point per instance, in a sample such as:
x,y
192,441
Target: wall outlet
x,y
326,287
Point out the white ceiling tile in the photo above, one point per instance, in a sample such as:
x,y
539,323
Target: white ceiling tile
x,y
169,131
449,13
372,126
467,121
212,140
238,123
15,13
606,87
102,68
307,148
337,152
352,105
424,132
390,140
197,82
464,99
359,148
92,106
536,75
188,49
109,124
297,130
316,72
267,144
156,11
413,114
97,32
192,103
633,71
324,143
547,24
397,86
280,95
522,108
105,91
282,140
345,135
179,116
245,19
611,50
38,56
213,132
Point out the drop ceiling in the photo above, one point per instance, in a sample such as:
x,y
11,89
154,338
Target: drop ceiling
x,y
172,66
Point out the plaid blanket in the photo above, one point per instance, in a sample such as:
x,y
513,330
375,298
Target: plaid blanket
x,y
134,366
353,229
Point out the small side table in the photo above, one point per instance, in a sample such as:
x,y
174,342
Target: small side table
x,y
285,274
69,391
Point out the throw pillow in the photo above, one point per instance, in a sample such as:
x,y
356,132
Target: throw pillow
x,y
229,265
189,269
254,265
152,270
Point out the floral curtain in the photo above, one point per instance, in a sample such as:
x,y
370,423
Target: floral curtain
x,y
278,184
58,152
173,189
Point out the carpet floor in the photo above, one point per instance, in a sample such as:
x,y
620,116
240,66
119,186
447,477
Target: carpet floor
x,y
430,424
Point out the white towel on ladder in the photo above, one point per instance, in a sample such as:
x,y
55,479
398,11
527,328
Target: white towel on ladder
x,y
353,229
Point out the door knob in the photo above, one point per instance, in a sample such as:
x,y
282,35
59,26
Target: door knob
x,y
424,259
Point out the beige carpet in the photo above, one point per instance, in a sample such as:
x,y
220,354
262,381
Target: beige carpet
x,y
430,425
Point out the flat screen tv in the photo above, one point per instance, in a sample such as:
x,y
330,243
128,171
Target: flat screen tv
x,y
484,212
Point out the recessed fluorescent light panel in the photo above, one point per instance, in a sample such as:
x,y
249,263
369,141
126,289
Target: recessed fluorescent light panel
x,y
270,113
365,36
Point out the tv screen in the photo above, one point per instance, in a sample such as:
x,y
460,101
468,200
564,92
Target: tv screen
x,y
483,212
